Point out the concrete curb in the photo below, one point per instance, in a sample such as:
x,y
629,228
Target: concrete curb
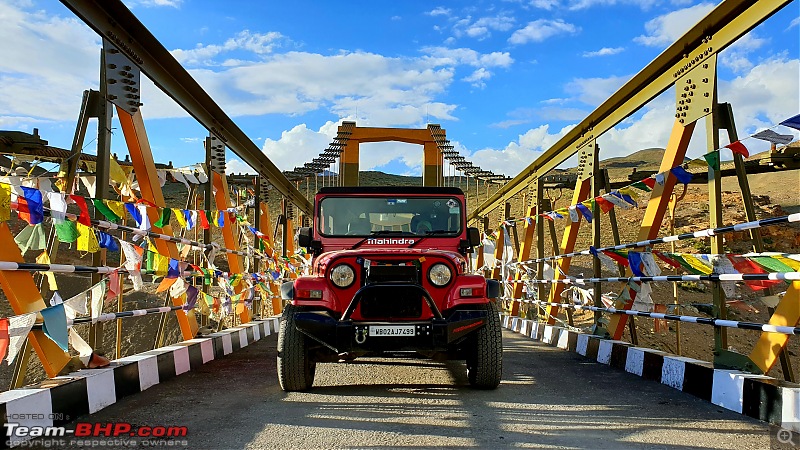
x,y
60,400
756,396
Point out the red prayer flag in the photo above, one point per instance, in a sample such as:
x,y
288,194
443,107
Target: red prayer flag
x,y
4,338
84,218
650,182
146,202
604,204
617,257
744,265
667,260
546,216
203,219
738,147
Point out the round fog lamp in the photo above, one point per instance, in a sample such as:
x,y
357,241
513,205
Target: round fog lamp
x,y
343,275
440,274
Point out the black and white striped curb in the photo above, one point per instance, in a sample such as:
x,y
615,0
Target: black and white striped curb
x,y
757,396
61,400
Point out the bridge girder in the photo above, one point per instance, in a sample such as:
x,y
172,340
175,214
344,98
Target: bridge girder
x,y
727,22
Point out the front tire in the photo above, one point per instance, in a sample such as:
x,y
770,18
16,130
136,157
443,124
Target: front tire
x,y
485,357
295,368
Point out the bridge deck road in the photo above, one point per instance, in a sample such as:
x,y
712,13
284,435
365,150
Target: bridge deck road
x,y
549,398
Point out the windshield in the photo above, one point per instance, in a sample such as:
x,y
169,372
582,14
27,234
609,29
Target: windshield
x,y
362,216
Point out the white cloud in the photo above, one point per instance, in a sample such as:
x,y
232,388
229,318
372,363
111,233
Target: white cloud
x,y
766,95
439,11
643,4
519,154
236,166
42,80
544,4
666,29
795,22
260,44
481,28
478,78
605,51
152,3
542,29
444,56
736,57
594,91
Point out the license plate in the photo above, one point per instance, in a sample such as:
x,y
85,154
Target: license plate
x,y
391,330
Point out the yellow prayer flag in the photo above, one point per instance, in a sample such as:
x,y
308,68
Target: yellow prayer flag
x,y
116,207
160,264
698,265
116,173
5,202
793,263
628,191
178,215
87,239
44,258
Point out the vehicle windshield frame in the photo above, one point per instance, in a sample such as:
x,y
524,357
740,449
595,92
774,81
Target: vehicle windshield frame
x,y
444,208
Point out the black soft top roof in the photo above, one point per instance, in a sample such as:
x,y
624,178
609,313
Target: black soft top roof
x,y
429,190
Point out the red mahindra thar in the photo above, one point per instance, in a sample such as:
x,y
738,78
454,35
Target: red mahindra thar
x,y
389,278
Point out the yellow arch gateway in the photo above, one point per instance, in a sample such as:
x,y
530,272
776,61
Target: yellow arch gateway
x,y
432,156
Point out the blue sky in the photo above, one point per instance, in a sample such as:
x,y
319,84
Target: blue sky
x,y
506,79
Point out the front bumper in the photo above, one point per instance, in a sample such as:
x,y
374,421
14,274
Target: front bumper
x,y
346,335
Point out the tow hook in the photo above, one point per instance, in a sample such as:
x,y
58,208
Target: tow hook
x,y
361,335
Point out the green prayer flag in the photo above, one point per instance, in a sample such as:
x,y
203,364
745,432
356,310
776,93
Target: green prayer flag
x,y
771,264
712,159
67,231
640,185
31,238
105,210
163,221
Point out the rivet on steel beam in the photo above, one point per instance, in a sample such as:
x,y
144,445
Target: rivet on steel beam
x,y
694,86
112,97
705,80
705,66
683,114
112,66
706,110
111,81
127,67
706,94
681,121
688,100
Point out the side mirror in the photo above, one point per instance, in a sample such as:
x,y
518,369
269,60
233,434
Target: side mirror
x,y
305,235
473,236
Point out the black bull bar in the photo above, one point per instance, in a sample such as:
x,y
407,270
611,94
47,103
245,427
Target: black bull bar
x,y
344,335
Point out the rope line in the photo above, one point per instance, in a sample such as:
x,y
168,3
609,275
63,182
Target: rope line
x,y
679,318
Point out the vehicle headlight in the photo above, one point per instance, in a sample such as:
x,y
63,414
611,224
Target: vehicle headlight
x,y
343,275
440,274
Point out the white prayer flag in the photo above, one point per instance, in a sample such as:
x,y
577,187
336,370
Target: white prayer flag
x,y
18,329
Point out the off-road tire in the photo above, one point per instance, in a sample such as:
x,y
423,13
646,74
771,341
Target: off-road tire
x,y
485,357
295,368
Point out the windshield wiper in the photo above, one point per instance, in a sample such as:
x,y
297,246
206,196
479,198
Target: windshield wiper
x,y
427,235
374,233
